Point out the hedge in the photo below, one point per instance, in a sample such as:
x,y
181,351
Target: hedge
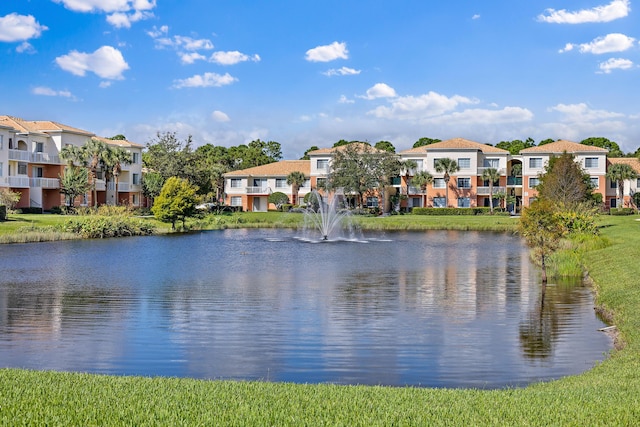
x,y
622,211
451,211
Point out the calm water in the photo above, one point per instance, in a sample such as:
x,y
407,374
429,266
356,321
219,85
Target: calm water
x,y
439,309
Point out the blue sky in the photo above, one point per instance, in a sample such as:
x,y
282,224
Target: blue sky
x,y
309,73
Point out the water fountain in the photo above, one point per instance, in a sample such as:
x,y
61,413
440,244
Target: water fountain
x,y
328,216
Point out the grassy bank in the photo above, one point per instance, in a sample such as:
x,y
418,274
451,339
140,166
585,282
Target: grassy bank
x,y
608,394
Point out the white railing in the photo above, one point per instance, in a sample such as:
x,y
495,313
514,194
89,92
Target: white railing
x,y
122,186
51,183
100,185
484,191
17,181
482,169
258,190
44,158
20,155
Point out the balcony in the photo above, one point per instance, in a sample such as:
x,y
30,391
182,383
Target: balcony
x,y
17,181
122,186
412,191
46,183
514,180
259,191
484,191
100,185
20,155
44,158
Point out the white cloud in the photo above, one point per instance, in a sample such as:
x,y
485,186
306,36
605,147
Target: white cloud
x,y
615,64
582,113
104,84
380,90
157,32
191,57
232,58
615,10
418,107
328,53
206,80
476,16
14,27
219,116
614,42
106,62
46,91
481,116
344,100
344,71
25,47
121,13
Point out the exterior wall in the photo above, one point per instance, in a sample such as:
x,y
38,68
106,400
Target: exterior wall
x,y
249,192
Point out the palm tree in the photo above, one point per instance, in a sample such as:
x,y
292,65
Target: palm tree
x,y
296,180
116,157
491,175
407,167
422,179
94,151
448,166
72,154
619,173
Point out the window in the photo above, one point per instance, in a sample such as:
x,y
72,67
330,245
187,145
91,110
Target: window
x,y
464,202
321,182
22,168
418,165
136,179
464,182
439,202
281,183
491,163
1,138
37,172
134,199
415,202
235,183
236,201
322,164
98,174
0,168
439,183
613,203
637,183
372,202
613,184
307,184
135,158
535,162
464,163
591,162
534,182
39,147
435,162
595,182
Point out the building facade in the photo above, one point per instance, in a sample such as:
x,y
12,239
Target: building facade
x,y
30,164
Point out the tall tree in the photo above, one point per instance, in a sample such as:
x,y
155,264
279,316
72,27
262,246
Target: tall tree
x,y
73,155
422,179
296,180
177,201
542,230
619,173
564,182
447,166
613,147
491,175
306,153
95,151
74,182
385,146
114,159
152,183
425,141
516,145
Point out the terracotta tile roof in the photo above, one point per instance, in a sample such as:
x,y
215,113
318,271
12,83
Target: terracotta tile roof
x,y
281,168
455,144
634,162
39,126
561,146
361,146
119,142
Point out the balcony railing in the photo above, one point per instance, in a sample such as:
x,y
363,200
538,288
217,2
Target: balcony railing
x,y
100,185
484,191
122,186
20,155
38,157
514,180
258,190
17,181
46,183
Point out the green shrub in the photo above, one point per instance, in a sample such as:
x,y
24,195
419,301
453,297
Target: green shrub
x,y
451,211
622,211
31,210
286,207
92,227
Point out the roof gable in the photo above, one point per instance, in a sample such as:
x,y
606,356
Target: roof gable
x,y
455,144
561,146
276,169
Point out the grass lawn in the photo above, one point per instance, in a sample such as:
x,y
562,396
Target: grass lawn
x,y
608,394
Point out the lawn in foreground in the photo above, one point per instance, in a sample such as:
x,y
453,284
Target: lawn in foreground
x,y
609,394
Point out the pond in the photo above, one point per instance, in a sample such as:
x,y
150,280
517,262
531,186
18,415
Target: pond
x,y
435,309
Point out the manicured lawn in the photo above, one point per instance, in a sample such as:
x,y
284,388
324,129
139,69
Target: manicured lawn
x,y
608,394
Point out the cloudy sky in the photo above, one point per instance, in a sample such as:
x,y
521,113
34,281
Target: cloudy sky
x,y
309,73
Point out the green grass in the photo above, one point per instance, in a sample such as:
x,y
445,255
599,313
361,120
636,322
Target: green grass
x,y
608,394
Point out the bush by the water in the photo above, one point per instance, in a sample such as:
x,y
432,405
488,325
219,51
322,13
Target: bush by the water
x,y
451,211
97,226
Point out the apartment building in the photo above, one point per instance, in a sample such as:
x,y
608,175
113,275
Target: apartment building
x,y
30,164
250,188
519,175
631,187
